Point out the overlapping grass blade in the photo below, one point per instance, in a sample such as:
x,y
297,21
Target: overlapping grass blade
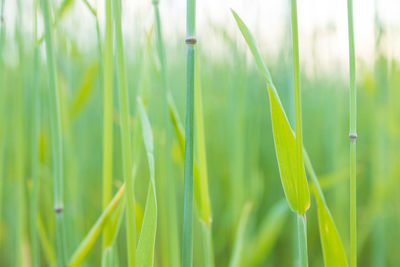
x,y
259,247
56,135
332,247
125,137
294,181
87,243
277,107
35,155
237,252
84,90
107,161
146,244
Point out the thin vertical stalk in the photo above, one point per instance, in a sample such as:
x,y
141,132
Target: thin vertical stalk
x,y
20,150
3,96
35,156
125,136
167,188
302,234
56,136
187,243
353,137
107,111
302,229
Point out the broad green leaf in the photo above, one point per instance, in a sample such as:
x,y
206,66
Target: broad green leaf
x,y
295,186
201,183
332,246
84,90
87,243
260,246
237,253
145,248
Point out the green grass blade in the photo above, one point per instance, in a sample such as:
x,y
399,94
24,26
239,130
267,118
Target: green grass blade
x,y
261,245
125,137
107,257
56,135
113,225
332,247
146,244
107,114
237,253
201,184
35,155
84,90
294,181
87,243
46,245
285,145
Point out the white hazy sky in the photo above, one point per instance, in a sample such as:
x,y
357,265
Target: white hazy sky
x,y
267,19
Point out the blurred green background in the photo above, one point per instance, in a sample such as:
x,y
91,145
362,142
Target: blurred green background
x,y
242,166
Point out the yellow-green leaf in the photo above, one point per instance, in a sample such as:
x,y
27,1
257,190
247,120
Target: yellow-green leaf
x,y
87,243
296,188
84,89
201,183
262,243
145,248
237,253
294,182
332,246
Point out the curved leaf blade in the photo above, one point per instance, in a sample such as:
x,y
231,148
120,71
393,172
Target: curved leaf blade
x,y
294,181
87,243
332,246
146,244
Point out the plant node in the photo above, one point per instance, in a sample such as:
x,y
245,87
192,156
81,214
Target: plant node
x,y
59,209
191,40
353,137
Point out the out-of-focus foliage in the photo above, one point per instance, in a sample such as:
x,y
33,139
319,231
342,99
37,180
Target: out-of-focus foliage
x,y
240,154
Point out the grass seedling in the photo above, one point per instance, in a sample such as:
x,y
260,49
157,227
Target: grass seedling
x,y
125,137
56,137
353,137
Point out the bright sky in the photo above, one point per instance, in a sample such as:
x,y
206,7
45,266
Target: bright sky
x,y
322,20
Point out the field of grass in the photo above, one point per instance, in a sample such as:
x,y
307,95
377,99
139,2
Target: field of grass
x,y
157,153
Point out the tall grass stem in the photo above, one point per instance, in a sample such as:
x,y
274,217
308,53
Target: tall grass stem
x,y
353,137
187,243
56,136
